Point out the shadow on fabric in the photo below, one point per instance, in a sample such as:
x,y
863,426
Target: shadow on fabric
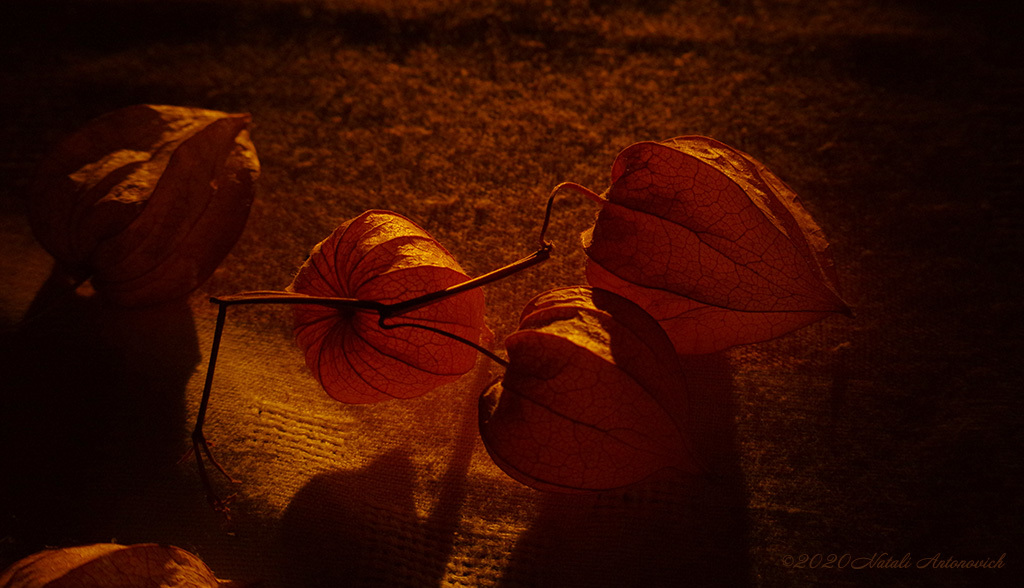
x,y
93,403
687,531
361,527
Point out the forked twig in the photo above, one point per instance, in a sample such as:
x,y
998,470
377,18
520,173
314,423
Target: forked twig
x,y
201,447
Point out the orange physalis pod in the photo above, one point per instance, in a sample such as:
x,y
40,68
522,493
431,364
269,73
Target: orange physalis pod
x,y
712,244
384,258
580,407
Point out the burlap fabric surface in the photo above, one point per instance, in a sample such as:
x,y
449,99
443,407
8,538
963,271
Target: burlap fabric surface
x,y
896,432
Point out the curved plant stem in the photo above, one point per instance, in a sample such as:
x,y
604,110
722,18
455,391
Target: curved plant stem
x,y
490,354
570,186
201,447
542,254
199,444
286,297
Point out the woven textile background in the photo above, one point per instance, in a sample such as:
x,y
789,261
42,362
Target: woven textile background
x,y
896,432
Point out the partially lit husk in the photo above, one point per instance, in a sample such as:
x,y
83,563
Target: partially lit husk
x,y
585,401
712,244
384,257
146,201
108,565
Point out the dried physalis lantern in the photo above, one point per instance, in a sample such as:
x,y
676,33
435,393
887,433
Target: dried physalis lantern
x,y
712,244
377,259
583,403
108,565
146,201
